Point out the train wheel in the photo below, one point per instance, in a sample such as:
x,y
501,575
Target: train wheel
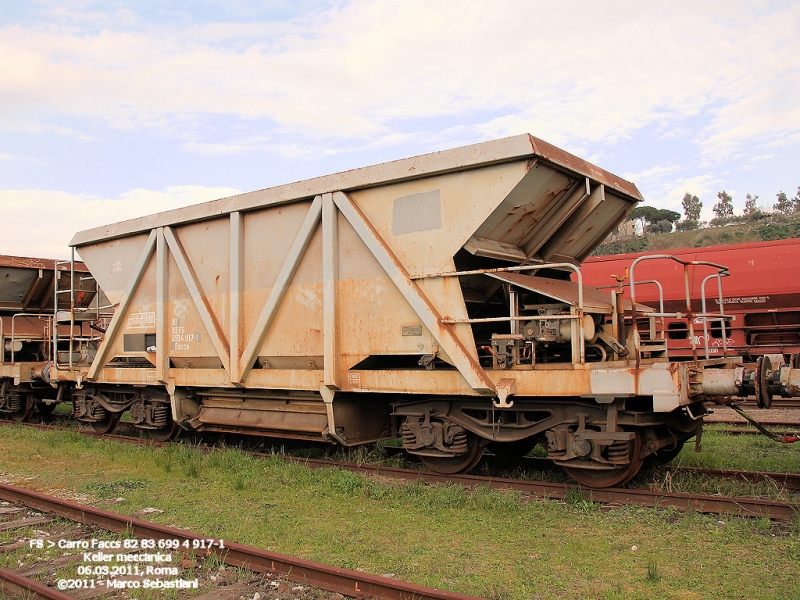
x,y
168,433
450,465
604,478
107,424
25,412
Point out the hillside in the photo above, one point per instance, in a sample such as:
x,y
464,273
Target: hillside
x,y
767,227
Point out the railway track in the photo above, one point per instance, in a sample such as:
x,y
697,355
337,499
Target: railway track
x,y
712,504
750,507
154,539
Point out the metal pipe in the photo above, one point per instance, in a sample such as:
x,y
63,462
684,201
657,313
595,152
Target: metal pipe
x,y
507,319
498,270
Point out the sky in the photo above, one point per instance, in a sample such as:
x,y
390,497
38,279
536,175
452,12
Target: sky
x,y
113,109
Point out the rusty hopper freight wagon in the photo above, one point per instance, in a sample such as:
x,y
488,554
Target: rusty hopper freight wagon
x,y
427,298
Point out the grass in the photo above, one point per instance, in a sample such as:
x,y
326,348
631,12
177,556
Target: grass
x,y
723,450
477,541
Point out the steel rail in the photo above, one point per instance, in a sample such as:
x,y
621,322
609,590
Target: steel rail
x,y
749,507
23,587
743,422
328,577
789,480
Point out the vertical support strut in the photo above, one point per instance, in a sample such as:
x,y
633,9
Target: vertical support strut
x,y
236,281
330,276
162,349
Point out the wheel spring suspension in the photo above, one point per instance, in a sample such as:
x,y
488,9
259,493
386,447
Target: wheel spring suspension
x,y
459,443
160,415
14,402
619,452
409,439
93,411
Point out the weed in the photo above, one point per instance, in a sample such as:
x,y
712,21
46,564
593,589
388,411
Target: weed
x,y
234,459
498,593
575,498
110,489
653,575
163,460
213,561
77,439
191,467
346,482
239,482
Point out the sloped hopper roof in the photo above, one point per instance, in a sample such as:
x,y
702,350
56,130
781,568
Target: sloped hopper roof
x,y
594,300
559,212
26,284
559,208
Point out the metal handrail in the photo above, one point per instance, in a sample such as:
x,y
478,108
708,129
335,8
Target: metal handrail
x,y
718,277
71,292
576,318
721,271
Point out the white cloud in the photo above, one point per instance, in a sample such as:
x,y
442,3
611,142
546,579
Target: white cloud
x,y
41,223
366,70
667,192
654,173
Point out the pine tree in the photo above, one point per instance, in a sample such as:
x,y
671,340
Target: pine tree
x,y
723,208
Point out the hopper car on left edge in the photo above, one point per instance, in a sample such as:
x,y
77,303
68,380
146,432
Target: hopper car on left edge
x,y
427,299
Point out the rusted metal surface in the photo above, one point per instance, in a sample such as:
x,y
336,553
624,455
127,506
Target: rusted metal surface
x,y
17,586
409,217
320,294
747,507
27,284
344,581
790,480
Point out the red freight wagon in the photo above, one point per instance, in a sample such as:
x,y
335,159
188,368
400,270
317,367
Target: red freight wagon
x,y
761,295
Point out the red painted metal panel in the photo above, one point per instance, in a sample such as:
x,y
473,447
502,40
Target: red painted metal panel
x,y
762,292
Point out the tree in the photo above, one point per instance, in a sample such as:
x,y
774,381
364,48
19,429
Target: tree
x,y
784,205
691,209
662,226
656,220
723,208
750,204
